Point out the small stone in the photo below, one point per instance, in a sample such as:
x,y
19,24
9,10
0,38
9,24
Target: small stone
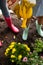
x,y
14,36
2,41
35,35
39,38
6,37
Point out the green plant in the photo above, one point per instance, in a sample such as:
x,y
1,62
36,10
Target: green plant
x,y
17,51
21,54
38,45
34,59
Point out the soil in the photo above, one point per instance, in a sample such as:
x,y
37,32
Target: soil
x,y
7,36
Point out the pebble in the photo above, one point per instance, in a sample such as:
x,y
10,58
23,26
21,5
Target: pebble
x,y
14,37
6,37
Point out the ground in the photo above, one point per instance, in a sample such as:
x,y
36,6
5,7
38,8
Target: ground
x,y
7,36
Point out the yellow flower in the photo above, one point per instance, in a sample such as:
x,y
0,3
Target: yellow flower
x,y
12,60
25,45
19,43
28,49
13,56
13,50
12,43
6,54
19,57
11,46
7,49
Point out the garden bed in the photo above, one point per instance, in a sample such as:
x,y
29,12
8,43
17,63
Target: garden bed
x,y
7,36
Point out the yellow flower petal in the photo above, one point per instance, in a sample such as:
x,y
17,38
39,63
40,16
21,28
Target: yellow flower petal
x,y
28,49
13,50
19,43
5,53
12,60
19,57
13,56
7,49
12,43
11,46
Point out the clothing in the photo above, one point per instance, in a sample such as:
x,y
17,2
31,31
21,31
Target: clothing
x,y
38,9
5,12
4,8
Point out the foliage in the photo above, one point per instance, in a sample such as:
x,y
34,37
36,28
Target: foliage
x,y
17,51
34,59
38,45
21,54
